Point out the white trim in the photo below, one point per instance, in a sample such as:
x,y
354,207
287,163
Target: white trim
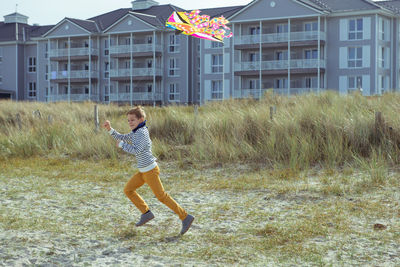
x,y
275,18
61,22
121,19
253,2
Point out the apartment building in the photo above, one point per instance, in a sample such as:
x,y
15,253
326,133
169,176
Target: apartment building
x,y
129,56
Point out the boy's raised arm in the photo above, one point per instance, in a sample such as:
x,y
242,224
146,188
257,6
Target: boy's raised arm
x,y
116,135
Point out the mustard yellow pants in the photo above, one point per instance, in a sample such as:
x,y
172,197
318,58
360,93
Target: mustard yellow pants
x,y
151,178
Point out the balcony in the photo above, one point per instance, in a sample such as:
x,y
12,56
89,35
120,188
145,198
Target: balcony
x,y
136,96
137,73
274,38
255,93
81,53
137,50
72,97
74,76
279,65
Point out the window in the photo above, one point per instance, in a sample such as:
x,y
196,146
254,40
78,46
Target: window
x,y
216,44
32,64
254,84
149,87
1,54
216,90
255,30
46,75
354,82
281,55
217,63
149,63
173,92
1,79
354,57
127,88
173,43
149,39
311,82
281,28
311,54
311,26
355,29
382,58
32,90
281,83
383,26
253,57
106,69
173,67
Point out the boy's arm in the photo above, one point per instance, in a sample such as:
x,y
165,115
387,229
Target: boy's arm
x,y
137,147
117,136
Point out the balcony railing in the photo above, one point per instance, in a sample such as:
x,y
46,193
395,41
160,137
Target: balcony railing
x,y
72,97
280,64
255,93
75,74
84,51
136,96
136,48
279,37
135,72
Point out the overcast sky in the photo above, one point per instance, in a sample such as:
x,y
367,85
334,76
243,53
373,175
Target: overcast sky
x,y
46,12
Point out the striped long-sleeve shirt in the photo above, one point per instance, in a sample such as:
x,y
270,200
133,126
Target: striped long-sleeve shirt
x,y
138,143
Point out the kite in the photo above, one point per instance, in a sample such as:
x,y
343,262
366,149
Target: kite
x,y
199,26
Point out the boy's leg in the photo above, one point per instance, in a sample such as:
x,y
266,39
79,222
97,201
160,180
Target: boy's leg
x,y
130,191
153,180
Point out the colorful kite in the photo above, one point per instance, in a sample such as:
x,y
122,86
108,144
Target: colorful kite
x,y
199,26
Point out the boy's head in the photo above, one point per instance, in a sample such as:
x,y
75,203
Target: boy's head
x,y
136,116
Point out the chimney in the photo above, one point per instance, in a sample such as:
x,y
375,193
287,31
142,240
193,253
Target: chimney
x,y
143,4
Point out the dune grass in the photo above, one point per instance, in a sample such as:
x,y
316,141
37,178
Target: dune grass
x,y
325,130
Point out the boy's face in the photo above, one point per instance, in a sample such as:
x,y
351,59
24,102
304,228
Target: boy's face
x,y
134,121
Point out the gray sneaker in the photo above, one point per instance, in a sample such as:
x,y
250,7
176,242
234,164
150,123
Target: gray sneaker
x,y
186,223
145,218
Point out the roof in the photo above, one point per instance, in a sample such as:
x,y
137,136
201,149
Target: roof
x,y
343,6
220,11
393,5
8,31
158,14
86,24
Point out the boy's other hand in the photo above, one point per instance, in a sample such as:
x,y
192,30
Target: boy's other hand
x,y
107,125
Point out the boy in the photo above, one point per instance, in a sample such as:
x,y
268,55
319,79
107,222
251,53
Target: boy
x,y
138,143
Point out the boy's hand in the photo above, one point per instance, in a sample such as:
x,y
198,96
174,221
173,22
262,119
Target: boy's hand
x,y
107,125
118,141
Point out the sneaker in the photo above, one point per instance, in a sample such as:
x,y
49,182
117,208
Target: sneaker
x,y
186,223
145,218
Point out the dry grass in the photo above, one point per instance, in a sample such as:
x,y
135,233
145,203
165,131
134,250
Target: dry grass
x,y
56,209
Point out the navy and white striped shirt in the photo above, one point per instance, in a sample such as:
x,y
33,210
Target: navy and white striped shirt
x,y
138,143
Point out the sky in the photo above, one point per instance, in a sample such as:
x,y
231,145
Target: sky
x,y
50,12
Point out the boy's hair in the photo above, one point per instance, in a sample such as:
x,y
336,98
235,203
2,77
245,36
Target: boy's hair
x,y
138,112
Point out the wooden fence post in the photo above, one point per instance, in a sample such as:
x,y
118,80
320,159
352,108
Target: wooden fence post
x,y
378,126
272,111
96,118
19,121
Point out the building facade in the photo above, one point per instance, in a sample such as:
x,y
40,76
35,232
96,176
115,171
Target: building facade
x,y
129,56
